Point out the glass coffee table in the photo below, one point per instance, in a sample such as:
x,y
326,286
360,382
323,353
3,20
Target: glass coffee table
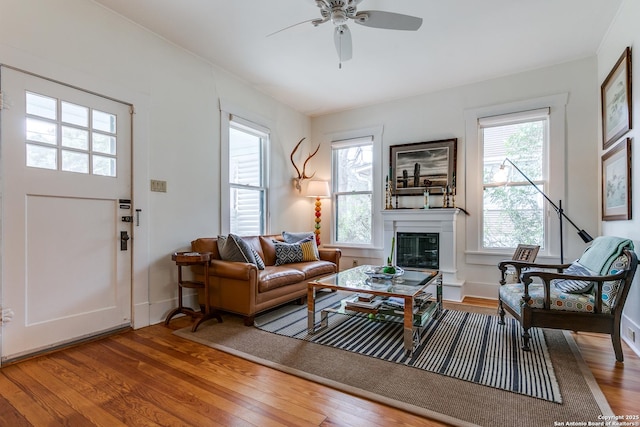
x,y
401,298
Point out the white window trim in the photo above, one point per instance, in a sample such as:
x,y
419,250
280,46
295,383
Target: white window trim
x,y
376,198
475,254
227,113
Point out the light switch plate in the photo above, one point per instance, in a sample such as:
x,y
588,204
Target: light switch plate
x,y
159,186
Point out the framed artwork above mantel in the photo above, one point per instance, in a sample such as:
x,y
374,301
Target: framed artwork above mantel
x,y
423,165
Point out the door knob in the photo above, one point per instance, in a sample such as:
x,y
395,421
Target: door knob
x,y
124,237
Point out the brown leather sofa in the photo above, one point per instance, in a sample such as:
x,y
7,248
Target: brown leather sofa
x,y
242,288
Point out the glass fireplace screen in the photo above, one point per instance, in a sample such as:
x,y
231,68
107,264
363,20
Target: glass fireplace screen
x,y
417,250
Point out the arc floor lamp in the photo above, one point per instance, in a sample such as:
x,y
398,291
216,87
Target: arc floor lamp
x,y
558,208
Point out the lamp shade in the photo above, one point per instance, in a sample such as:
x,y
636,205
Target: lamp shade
x,y
318,189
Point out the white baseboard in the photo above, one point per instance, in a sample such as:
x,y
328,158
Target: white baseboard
x,y
481,290
625,324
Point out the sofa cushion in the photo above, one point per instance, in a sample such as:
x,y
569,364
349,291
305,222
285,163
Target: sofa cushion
x,y
291,237
315,269
303,251
206,244
573,286
268,250
234,248
275,277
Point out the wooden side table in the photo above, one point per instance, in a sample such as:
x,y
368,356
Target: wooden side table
x,y
183,259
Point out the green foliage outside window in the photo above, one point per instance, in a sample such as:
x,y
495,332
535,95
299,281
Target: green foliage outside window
x,y
513,212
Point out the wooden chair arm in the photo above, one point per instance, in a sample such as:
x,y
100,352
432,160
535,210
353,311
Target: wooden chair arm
x,y
521,265
504,263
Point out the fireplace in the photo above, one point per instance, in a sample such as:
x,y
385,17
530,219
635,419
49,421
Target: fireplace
x,y
418,250
426,230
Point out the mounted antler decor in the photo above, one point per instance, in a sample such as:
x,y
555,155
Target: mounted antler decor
x,y
297,182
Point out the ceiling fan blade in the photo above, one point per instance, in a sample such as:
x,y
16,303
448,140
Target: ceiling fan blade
x,y
294,25
387,20
342,38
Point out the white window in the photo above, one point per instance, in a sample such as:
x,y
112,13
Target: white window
x,y
247,148
513,210
353,191
507,210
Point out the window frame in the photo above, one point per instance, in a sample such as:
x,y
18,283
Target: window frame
x,y
229,121
556,185
344,139
530,116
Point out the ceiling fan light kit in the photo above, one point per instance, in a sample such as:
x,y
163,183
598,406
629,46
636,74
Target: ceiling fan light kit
x,y
339,12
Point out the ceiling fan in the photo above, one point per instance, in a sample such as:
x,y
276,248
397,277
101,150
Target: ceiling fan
x,y
339,12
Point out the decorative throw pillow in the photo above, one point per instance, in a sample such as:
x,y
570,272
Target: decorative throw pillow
x,y
575,286
233,248
290,237
610,289
302,251
222,240
259,261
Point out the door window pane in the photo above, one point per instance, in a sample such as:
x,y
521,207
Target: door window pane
x,y
73,161
104,144
75,138
75,114
105,166
69,141
39,156
104,121
41,106
41,131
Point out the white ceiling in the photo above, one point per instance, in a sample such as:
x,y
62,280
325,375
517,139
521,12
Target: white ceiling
x,y
460,42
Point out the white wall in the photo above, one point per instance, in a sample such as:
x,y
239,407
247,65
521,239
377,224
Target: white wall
x,y
177,131
441,115
624,32
176,126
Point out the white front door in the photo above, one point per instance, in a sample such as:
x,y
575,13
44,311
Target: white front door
x,y
66,184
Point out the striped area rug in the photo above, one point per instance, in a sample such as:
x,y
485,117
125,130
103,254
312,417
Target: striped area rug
x,y
468,346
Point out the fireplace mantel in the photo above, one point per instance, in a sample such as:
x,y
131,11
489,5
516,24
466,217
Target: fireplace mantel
x,y
439,220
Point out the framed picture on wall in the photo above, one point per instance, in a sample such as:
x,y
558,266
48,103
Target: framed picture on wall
x,y
616,182
415,167
616,101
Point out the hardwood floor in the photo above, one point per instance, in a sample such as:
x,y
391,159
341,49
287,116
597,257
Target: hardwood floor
x,y
151,377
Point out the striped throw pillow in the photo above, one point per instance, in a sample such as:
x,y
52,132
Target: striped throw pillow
x,y
575,286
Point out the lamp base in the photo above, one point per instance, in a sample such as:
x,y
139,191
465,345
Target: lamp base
x,y
317,220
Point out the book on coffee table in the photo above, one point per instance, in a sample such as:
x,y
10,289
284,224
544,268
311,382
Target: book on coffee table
x,y
372,305
366,297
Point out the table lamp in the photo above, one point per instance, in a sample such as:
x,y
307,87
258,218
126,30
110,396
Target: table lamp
x,y
319,190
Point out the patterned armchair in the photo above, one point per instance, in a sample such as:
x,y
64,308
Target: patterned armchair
x,y
587,295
